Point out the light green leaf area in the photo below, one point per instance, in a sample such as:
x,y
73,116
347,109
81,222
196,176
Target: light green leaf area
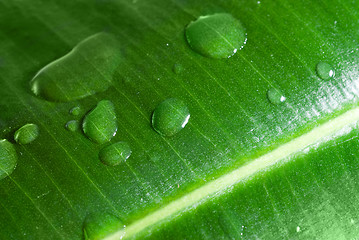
x,y
243,167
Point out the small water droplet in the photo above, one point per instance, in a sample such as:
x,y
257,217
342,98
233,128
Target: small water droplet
x,y
115,153
275,96
99,124
170,116
84,71
8,158
177,68
72,125
325,70
75,111
217,36
99,225
27,133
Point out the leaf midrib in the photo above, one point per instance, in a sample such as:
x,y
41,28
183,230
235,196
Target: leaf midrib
x,y
317,135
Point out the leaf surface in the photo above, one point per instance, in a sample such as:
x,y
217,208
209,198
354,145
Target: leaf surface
x,y
59,179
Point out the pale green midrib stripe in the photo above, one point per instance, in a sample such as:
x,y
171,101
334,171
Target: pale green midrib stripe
x,y
325,130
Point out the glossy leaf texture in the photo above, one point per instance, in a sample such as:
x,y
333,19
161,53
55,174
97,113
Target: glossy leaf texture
x,y
296,72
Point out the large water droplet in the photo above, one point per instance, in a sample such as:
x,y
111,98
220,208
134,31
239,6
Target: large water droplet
x,y
75,111
218,36
99,225
72,125
84,71
8,158
27,133
170,116
177,68
99,124
325,70
275,96
115,153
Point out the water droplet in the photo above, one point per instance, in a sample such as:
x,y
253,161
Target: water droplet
x,y
27,133
84,71
324,70
100,124
170,116
72,125
177,68
115,153
100,225
75,111
218,36
8,158
275,96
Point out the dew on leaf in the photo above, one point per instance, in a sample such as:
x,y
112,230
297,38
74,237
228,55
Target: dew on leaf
x,y
115,153
75,111
324,70
217,36
275,96
8,158
99,225
177,68
84,71
170,116
72,125
26,134
99,124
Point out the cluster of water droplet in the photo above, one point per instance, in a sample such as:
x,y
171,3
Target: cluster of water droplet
x,y
90,66
100,126
8,156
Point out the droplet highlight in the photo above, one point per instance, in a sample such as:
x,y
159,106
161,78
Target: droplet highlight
x,y
99,124
275,96
217,36
115,153
170,116
325,70
72,125
99,225
8,158
84,71
26,134
75,111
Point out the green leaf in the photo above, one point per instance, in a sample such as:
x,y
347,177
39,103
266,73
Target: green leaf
x,y
270,150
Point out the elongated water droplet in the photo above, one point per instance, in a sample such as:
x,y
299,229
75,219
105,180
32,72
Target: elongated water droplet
x,y
8,158
84,71
177,68
75,111
115,153
72,125
324,70
27,133
170,116
100,124
275,96
217,36
99,225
